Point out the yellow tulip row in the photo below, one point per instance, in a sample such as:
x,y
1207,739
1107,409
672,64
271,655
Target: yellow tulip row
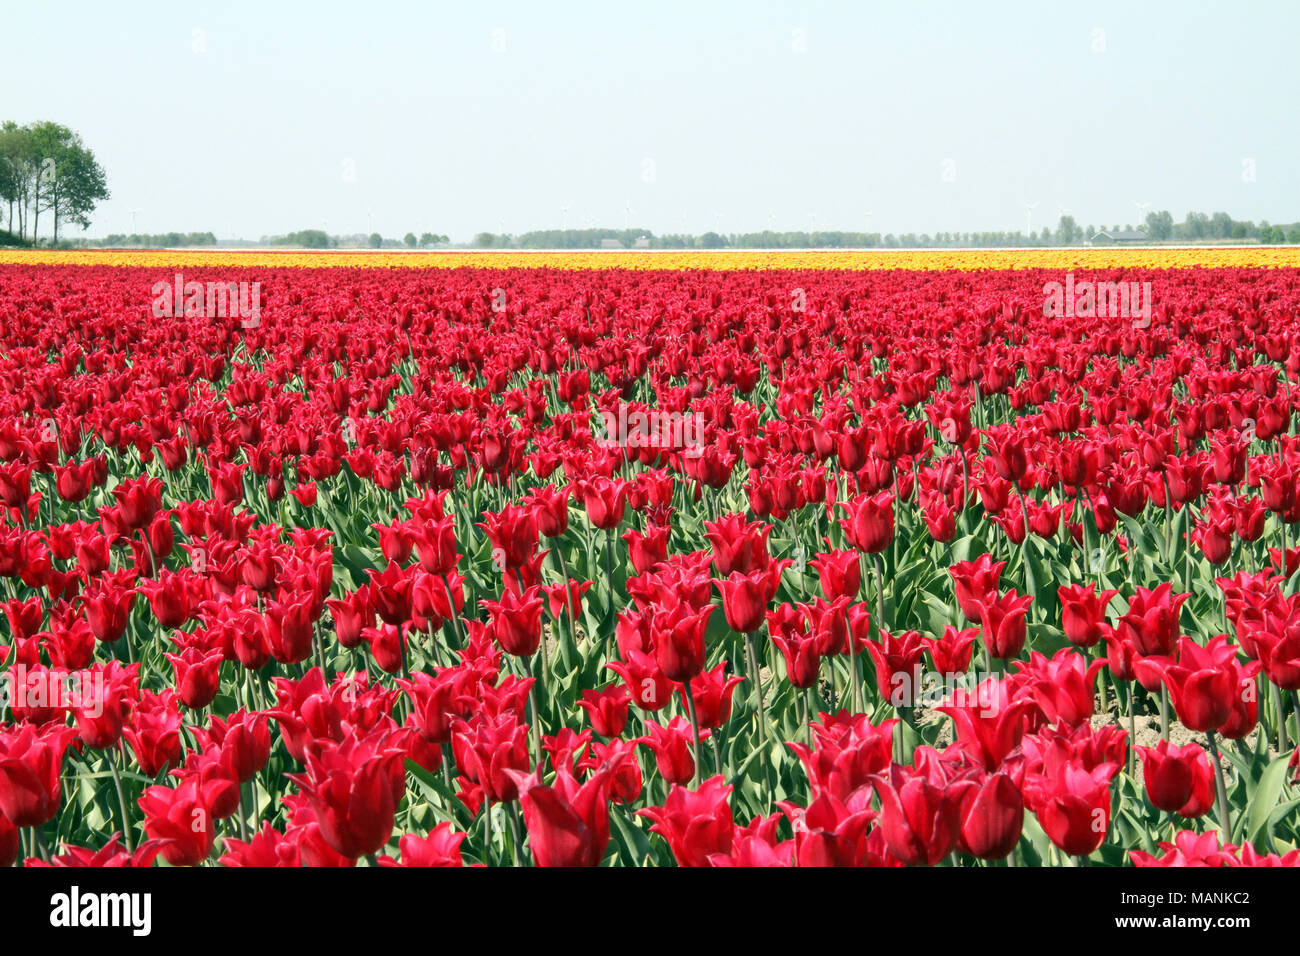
x,y
1161,257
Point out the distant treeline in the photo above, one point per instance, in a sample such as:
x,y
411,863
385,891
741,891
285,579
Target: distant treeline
x,y
1158,227
163,239
319,239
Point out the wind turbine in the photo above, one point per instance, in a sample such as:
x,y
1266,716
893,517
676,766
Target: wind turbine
x,y
133,212
564,218
627,215
1029,212
1140,207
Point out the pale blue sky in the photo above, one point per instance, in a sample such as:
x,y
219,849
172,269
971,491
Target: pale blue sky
x,y
243,118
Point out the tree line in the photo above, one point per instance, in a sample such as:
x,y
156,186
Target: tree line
x,y
1199,227
46,168
1159,227
169,240
319,239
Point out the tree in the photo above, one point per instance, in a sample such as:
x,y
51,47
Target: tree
x,y
1160,225
1221,225
410,240
75,182
307,238
1197,225
375,240
1067,231
8,169
18,158
45,167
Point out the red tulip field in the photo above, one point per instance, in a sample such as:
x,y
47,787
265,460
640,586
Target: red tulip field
x,y
615,567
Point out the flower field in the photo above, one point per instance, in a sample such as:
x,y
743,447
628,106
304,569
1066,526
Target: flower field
x,y
733,559
964,260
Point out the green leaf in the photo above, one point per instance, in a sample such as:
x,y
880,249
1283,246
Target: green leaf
x,y
1266,795
633,844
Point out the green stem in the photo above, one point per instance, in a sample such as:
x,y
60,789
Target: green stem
x,y
695,729
121,800
1221,790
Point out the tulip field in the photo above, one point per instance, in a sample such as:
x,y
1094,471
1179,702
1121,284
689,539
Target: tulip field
x,y
733,559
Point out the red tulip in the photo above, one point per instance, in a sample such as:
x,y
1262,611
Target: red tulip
x,y
605,500
976,582
738,544
991,815
745,598
31,762
1174,774
870,524
606,709
350,787
183,820
679,641
696,823
138,500
1204,681
839,574
517,622
1073,807
154,732
712,691
671,745
487,748
918,816
645,551
440,848
1151,622
1002,623
1083,613
1062,685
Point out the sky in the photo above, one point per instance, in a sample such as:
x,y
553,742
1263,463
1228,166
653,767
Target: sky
x,y
252,119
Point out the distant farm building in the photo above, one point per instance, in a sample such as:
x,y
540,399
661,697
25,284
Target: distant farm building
x,y
610,244
1120,237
